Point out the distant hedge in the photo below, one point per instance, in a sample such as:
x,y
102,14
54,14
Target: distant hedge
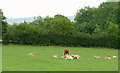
x,y
84,40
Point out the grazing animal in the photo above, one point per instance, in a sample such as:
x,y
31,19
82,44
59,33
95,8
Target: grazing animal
x,y
55,56
69,57
31,54
108,55
66,51
75,56
96,57
114,57
107,58
64,57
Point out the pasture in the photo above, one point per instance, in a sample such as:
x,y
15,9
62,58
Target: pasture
x,y
15,58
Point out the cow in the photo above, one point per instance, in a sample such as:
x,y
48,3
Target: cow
x,y
31,54
66,51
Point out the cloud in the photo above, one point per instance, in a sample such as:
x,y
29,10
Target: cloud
x,y
31,8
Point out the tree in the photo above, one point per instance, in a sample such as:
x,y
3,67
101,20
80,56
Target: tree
x,y
61,25
85,20
88,18
112,32
85,15
3,23
38,21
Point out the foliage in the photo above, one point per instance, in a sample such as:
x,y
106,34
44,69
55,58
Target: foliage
x,y
3,24
92,27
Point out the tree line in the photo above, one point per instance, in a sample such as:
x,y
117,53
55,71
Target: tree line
x,y
99,27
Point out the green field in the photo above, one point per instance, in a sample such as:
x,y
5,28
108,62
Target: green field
x,y
0,58
15,58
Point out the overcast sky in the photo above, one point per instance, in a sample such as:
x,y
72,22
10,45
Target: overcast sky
x,y
32,8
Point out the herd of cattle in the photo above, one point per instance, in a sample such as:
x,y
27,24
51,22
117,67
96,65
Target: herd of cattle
x,y
67,56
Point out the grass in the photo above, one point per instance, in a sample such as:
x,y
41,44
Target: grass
x,y
0,58
15,58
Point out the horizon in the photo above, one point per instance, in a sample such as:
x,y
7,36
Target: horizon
x,y
30,19
37,16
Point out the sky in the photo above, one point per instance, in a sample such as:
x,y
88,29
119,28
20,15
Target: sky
x,y
33,8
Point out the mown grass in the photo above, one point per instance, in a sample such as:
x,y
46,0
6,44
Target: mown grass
x,y
0,58
15,58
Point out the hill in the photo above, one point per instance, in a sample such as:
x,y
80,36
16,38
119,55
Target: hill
x,y
29,19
